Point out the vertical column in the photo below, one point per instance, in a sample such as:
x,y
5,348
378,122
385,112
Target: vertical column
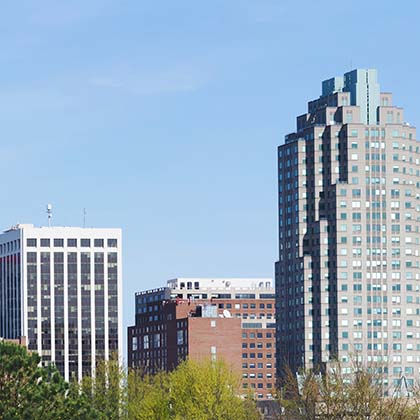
x,y
38,302
24,282
119,295
66,317
92,314
79,316
106,326
52,304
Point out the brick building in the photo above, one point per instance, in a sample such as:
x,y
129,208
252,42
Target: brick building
x,y
216,319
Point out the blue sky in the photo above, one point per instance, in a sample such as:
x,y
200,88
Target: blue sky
x,y
163,117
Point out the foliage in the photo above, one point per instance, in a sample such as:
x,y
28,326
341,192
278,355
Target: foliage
x,y
338,395
193,391
106,391
28,391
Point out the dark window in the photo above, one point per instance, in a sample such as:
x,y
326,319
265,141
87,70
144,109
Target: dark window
x,y
72,242
267,295
45,242
85,243
112,243
31,242
59,242
99,243
245,296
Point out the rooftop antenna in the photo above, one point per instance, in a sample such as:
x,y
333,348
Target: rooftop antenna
x,y
49,214
84,217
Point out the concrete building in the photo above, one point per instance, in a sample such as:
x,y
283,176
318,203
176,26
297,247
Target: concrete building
x,y
61,288
348,279
229,319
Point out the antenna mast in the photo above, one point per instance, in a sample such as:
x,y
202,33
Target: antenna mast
x,y
84,217
49,214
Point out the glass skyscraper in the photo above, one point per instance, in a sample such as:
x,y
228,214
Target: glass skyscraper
x,y
348,275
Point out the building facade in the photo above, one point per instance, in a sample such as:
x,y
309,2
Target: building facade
x,y
348,279
61,288
228,319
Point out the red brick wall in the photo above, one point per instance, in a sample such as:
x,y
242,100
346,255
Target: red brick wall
x,y
226,336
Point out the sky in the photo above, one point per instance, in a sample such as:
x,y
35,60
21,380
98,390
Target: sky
x,y
163,117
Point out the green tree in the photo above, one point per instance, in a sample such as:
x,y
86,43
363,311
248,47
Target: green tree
x,y
355,394
193,391
106,391
148,396
29,391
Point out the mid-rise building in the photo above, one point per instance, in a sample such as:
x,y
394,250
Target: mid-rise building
x,y
348,275
214,319
61,287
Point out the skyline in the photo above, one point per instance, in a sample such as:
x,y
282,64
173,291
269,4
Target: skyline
x,y
177,102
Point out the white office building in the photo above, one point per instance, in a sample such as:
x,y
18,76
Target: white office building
x,y
61,287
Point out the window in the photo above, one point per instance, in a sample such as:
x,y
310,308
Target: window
x,y
31,242
45,242
59,243
98,243
85,243
72,243
112,243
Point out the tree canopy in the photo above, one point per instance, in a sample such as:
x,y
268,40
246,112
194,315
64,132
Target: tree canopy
x,y
193,391
29,391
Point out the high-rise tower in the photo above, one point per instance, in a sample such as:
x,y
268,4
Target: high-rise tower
x,y
61,288
348,275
